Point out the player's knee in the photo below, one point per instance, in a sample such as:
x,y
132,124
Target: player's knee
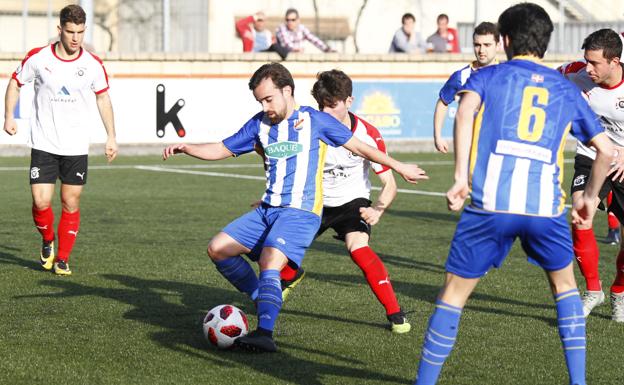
x,y
41,204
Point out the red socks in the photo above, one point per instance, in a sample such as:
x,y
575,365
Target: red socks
x,y
618,284
587,255
288,273
67,232
377,276
44,221
612,219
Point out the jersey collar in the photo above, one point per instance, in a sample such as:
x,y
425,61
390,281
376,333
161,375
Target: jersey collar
x,y
64,60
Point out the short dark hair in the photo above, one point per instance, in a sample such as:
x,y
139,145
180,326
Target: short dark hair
x,y
331,87
528,28
291,10
487,28
407,16
280,76
605,39
73,13
442,16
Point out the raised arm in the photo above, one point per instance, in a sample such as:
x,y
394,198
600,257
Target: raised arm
x,y
204,151
312,38
10,101
410,172
464,120
106,113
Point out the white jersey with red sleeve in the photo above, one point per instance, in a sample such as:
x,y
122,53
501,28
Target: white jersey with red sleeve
x,y
345,175
606,102
61,122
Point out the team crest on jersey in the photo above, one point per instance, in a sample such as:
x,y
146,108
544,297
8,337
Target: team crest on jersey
x,y
80,71
283,149
619,104
34,173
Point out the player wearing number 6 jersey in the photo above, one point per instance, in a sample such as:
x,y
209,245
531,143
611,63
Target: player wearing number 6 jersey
x,y
510,158
601,80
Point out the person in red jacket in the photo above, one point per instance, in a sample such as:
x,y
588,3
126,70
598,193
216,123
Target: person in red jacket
x,y
256,37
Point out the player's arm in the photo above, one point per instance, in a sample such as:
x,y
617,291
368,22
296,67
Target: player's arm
x,y
105,107
10,101
388,192
410,172
204,151
585,207
438,122
464,119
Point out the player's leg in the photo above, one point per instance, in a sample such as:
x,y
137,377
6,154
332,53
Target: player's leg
x,y
481,240
73,175
617,289
44,171
377,277
225,252
443,327
547,243
290,233
570,321
613,234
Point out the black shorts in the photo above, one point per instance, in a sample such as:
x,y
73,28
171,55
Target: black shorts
x,y
582,170
345,219
46,168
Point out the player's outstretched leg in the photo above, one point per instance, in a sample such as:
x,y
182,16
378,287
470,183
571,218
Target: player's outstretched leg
x,y
617,290
44,222
67,232
269,305
438,342
587,255
377,277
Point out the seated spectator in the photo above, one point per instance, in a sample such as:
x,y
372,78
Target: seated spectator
x,y
406,39
292,34
445,39
257,38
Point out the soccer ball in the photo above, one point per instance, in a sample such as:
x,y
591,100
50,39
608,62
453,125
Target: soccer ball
x,y
223,324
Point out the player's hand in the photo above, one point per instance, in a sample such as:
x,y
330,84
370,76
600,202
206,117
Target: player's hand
x,y
441,145
371,215
583,210
411,173
10,126
255,204
174,149
617,165
456,195
111,149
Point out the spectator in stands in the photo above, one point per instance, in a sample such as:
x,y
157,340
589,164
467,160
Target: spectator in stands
x,y
406,39
445,39
292,34
257,38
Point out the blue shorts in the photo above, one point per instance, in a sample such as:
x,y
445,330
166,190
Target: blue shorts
x,y
483,239
287,229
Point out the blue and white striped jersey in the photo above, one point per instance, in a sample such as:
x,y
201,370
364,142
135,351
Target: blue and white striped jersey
x,y
455,83
294,152
516,159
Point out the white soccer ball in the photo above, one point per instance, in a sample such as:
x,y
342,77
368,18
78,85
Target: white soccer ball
x,y
223,324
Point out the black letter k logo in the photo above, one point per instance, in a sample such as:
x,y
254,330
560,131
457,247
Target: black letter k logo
x,y
171,116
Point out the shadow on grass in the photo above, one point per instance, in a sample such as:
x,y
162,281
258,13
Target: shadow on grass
x,y
425,216
8,256
182,324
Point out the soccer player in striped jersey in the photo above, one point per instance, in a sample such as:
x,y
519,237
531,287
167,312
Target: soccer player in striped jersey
x,y
485,40
509,158
346,192
600,77
65,78
294,140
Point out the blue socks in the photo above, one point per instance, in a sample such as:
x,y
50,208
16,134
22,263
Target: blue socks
x,y
240,274
269,299
571,324
438,343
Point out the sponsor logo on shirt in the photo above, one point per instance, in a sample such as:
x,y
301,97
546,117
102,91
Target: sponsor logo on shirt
x,y
285,149
63,96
